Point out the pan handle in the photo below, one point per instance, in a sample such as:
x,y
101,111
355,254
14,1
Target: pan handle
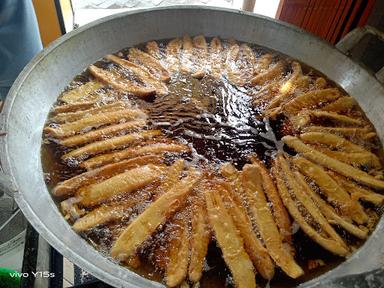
x,y
352,39
6,185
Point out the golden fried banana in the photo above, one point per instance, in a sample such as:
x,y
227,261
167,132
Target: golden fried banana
x,y
172,175
229,241
106,213
274,72
332,245
328,211
73,116
126,182
173,53
156,148
289,86
178,257
333,141
102,133
252,244
117,81
94,121
364,133
153,49
109,144
200,238
73,107
216,58
150,63
342,104
310,100
333,164
358,192
335,194
80,93
146,77
69,186
279,212
156,214
240,64
252,184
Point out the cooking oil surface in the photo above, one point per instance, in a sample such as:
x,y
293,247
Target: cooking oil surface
x,y
214,118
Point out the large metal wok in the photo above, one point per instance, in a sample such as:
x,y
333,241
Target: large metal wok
x,y
38,86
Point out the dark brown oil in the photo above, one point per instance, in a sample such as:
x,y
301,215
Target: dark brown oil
x,y
214,118
217,121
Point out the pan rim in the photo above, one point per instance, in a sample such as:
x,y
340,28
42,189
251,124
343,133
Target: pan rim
x,y
53,239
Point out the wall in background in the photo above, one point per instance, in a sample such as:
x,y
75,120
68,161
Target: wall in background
x,y
329,19
49,25
376,18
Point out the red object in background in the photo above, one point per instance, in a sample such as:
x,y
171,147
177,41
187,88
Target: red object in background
x,y
329,19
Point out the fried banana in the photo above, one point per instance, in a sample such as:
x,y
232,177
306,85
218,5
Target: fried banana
x,y
73,107
289,86
117,81
200,238
310,100
216,57
274,72
305,117
151,63
177,267
105,214
251,179
333,141
94,121
73,116
364,133
229,241
334,243
153,49
341,105
279,212
173,53
240,64
126,182
356,159
172,175
69,186
156,213
102,133
141,73
156,148
333,164
252,244
358,192
80,93
109,144
194,55
264,62
328,211
335,194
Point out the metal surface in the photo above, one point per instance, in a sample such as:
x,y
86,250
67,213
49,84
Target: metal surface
x,y
36,89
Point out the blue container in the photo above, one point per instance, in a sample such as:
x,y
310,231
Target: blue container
x,y
19,40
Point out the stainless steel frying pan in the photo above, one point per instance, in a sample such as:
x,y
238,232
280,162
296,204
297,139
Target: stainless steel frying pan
x,y
36,89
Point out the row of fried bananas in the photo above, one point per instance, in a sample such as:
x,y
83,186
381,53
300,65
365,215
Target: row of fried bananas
x,y
246,212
